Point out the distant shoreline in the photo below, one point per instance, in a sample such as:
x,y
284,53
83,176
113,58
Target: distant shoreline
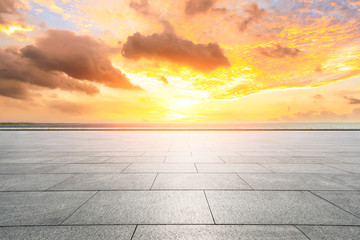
x,y
172,129
291,126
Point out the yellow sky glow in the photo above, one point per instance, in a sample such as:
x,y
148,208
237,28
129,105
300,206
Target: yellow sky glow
x,y
269,61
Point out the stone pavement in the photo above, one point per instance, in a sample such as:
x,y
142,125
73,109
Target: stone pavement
x,y
180,185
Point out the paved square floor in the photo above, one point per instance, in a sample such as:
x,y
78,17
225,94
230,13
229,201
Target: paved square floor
x,y
293,185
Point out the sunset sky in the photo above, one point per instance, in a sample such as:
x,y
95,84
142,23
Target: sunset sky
x,y
179,61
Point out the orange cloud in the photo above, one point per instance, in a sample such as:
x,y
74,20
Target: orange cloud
x,y
9,13
141,6
163,79
252,14
322,116
80,57
70,107
318,96
168,47
278,51
11,20
194,7
13,89
17,71
60,59
352,100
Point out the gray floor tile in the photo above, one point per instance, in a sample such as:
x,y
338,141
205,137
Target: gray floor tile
x,y
39,208
206,159
166,153
93,160
202,167
298,181
349,180
63,153
331,232
65,159
67,232
20,154
349,159
213,153
314,152
249,159
121,154
144,207
27,182
278,159
199,181
306,159
301,168
346,153
160,167
218,232
28,159
136,160
308,153
348,200
353,168
259,153
107,182
26,168
275,207
91,168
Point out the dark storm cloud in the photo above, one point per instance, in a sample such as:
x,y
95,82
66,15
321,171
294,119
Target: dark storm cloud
x,y
80,57
252,14
168,47
352,100
8,9
278,51
194,7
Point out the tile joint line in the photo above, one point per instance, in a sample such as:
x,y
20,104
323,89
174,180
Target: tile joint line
x,y
78,208
301,232
132,236
50,188
126,167
244,180
196,168
154,181
207,201
333,204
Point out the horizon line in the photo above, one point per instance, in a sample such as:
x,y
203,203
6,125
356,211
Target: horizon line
x,y
180,129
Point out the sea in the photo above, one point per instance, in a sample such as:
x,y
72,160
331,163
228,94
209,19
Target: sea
x,y
183,126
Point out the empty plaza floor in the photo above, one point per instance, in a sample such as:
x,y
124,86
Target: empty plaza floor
x,y
180,185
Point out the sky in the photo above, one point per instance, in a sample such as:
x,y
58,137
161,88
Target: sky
x,y
197,61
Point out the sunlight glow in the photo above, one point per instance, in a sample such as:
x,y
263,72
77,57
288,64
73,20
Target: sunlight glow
x,y
9,30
